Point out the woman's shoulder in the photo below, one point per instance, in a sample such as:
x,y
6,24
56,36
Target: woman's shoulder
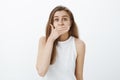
x,y
80,45
42,39
79,42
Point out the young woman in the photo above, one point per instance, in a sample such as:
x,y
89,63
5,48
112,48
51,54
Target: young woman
x,y
61,52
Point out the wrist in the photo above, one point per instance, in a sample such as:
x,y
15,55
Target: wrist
x,y
50,39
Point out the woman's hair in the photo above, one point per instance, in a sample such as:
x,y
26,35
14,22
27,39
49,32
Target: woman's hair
x,y
72,32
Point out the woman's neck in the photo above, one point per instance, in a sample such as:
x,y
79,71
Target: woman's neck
x,y
63,37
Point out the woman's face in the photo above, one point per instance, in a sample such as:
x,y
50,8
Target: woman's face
x,y
61,19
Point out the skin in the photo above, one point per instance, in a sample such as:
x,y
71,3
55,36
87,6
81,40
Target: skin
x,y
60,28
80,47
61,25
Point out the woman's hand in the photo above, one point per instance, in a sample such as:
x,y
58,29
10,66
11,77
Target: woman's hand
x,y
57,31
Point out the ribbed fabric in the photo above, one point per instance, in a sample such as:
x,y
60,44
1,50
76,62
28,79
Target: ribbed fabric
x,y
64,67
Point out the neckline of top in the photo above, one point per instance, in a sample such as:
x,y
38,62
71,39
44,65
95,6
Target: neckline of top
x,y
66,41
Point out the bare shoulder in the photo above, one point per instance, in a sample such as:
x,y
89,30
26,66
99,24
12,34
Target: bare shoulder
x,y
42,40
80,46
79,42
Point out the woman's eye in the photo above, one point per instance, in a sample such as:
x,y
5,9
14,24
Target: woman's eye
x,y
56,19
65,19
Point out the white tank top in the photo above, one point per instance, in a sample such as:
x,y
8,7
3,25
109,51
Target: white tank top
x,y
64,66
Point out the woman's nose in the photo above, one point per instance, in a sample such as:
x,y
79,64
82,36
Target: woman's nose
x,y
60,22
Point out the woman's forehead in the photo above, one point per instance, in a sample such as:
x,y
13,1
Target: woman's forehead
x,y
61,13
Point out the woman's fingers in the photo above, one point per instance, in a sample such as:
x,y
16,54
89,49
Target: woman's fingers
x,y
52,26
57,31
60,32
62,28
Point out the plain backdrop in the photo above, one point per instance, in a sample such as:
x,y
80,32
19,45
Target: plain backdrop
x,y
23,22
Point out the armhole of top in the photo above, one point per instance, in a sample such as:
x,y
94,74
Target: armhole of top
x,y
75,48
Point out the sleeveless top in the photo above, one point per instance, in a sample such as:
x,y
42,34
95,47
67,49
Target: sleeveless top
x,y
64,66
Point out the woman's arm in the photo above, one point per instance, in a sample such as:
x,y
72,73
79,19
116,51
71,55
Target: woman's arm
x,y
80,45
45,49
44,55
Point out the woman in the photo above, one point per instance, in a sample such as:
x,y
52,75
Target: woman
x,y
61,52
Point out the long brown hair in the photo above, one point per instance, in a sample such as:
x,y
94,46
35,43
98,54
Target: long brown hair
x,y
72,32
